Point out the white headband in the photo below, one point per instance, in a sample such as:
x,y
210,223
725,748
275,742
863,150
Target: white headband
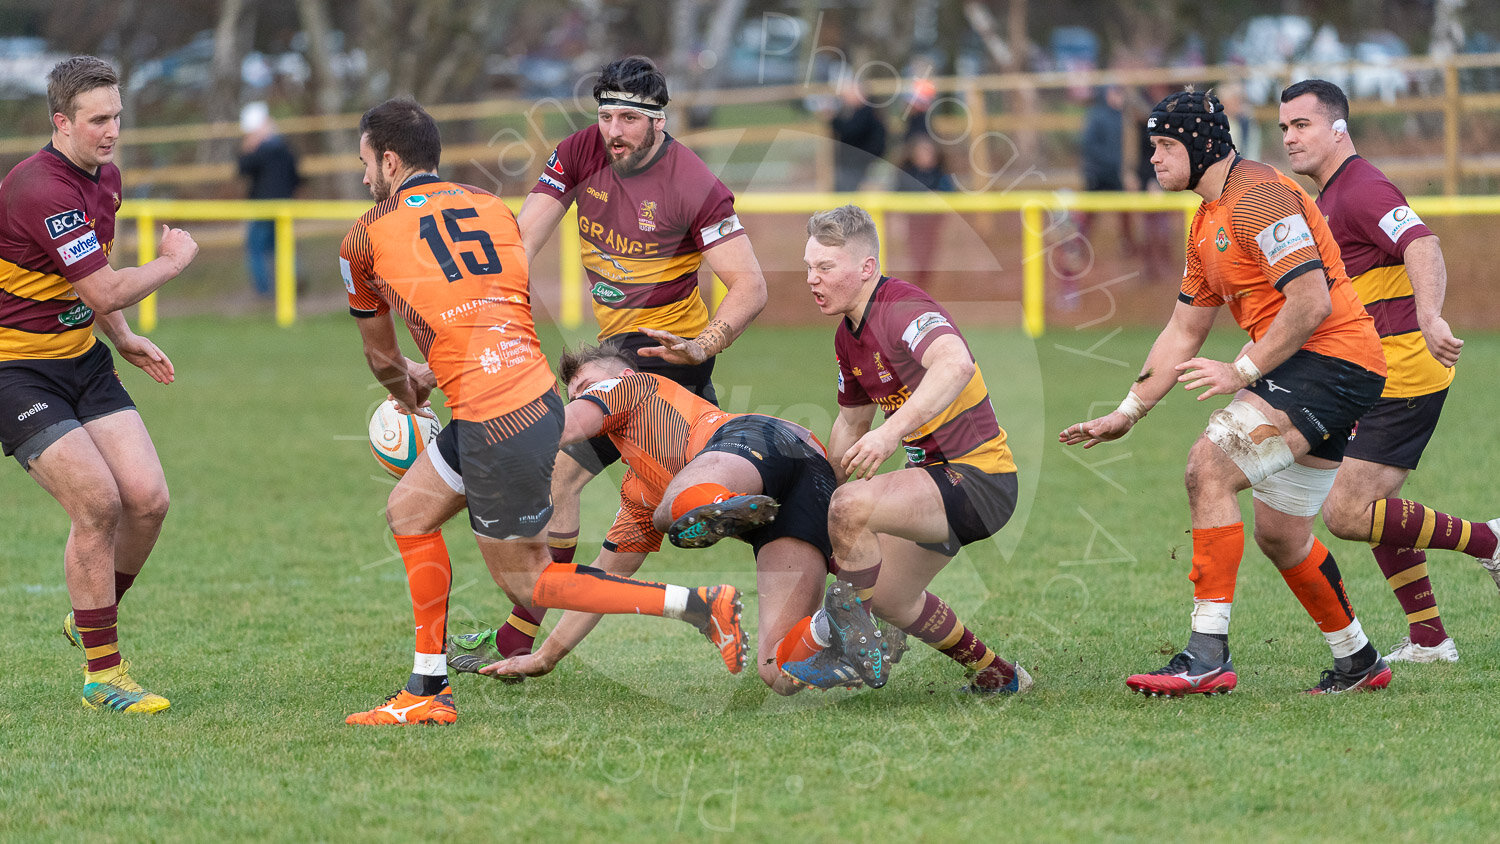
x,y
619,100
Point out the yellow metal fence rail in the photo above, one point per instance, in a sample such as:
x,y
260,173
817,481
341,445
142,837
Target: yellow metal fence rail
x,y
1033,206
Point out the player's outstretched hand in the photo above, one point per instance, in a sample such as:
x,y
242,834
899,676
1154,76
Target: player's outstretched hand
x,y
1221,378
1111,426
145,354
177,246
526,665
1441,342
673,349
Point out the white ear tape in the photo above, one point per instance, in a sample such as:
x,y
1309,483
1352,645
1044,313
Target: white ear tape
x,y
1341,126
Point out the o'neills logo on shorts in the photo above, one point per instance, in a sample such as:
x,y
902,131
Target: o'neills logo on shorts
x,y
35,409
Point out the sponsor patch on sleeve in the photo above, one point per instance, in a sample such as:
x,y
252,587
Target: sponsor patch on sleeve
x,y
347,273
921,327
552,183
601,387
1284,237
1397,221
554,165
79,248
60,224
720,230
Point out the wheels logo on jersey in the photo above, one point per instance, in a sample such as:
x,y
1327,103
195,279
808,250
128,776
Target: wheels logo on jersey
x,y
79,248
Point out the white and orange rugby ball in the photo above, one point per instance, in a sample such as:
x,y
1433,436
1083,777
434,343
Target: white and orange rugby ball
x,y
396,438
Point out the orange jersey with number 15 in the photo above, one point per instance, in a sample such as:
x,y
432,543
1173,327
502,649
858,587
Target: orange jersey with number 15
x,y
448,258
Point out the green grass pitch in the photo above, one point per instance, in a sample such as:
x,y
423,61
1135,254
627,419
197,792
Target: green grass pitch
x,y
275,605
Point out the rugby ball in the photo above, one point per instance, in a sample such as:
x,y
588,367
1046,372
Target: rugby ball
x,y
396,438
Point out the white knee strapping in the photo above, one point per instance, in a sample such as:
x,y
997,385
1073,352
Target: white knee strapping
x,y
1250,440
1296,490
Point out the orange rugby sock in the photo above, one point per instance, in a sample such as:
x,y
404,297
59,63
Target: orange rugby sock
x,y
798,644
698,495
1216,561
569,586
429,575
1318,585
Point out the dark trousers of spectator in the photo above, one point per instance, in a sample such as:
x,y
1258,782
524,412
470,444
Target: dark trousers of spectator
x,y
260,256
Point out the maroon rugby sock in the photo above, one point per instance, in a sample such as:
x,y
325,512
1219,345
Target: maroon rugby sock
x,y
938,626
1407,524
123,582
517,635
1405,570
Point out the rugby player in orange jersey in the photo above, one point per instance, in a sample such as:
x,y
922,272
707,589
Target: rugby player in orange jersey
x,y
1396,266
448,258
698,474
650,214
1312,368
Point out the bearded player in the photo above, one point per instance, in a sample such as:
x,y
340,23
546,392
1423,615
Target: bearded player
x,y
650,213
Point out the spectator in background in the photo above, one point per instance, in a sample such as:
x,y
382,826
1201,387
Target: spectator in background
x,y
1102,156
919,99
271,166
923,169
859,136
1241,121
1103,145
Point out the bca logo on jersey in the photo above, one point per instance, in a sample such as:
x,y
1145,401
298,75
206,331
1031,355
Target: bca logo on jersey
x,y
60,224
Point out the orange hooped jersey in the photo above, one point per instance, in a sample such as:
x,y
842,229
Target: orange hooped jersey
x,y
448,258
657,425
1262,232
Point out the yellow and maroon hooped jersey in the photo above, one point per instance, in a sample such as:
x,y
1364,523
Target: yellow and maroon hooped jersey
x,y
643,234
57,224
1373,225
880,363
448,258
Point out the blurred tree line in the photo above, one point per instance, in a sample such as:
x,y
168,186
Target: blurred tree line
x,y
194,61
